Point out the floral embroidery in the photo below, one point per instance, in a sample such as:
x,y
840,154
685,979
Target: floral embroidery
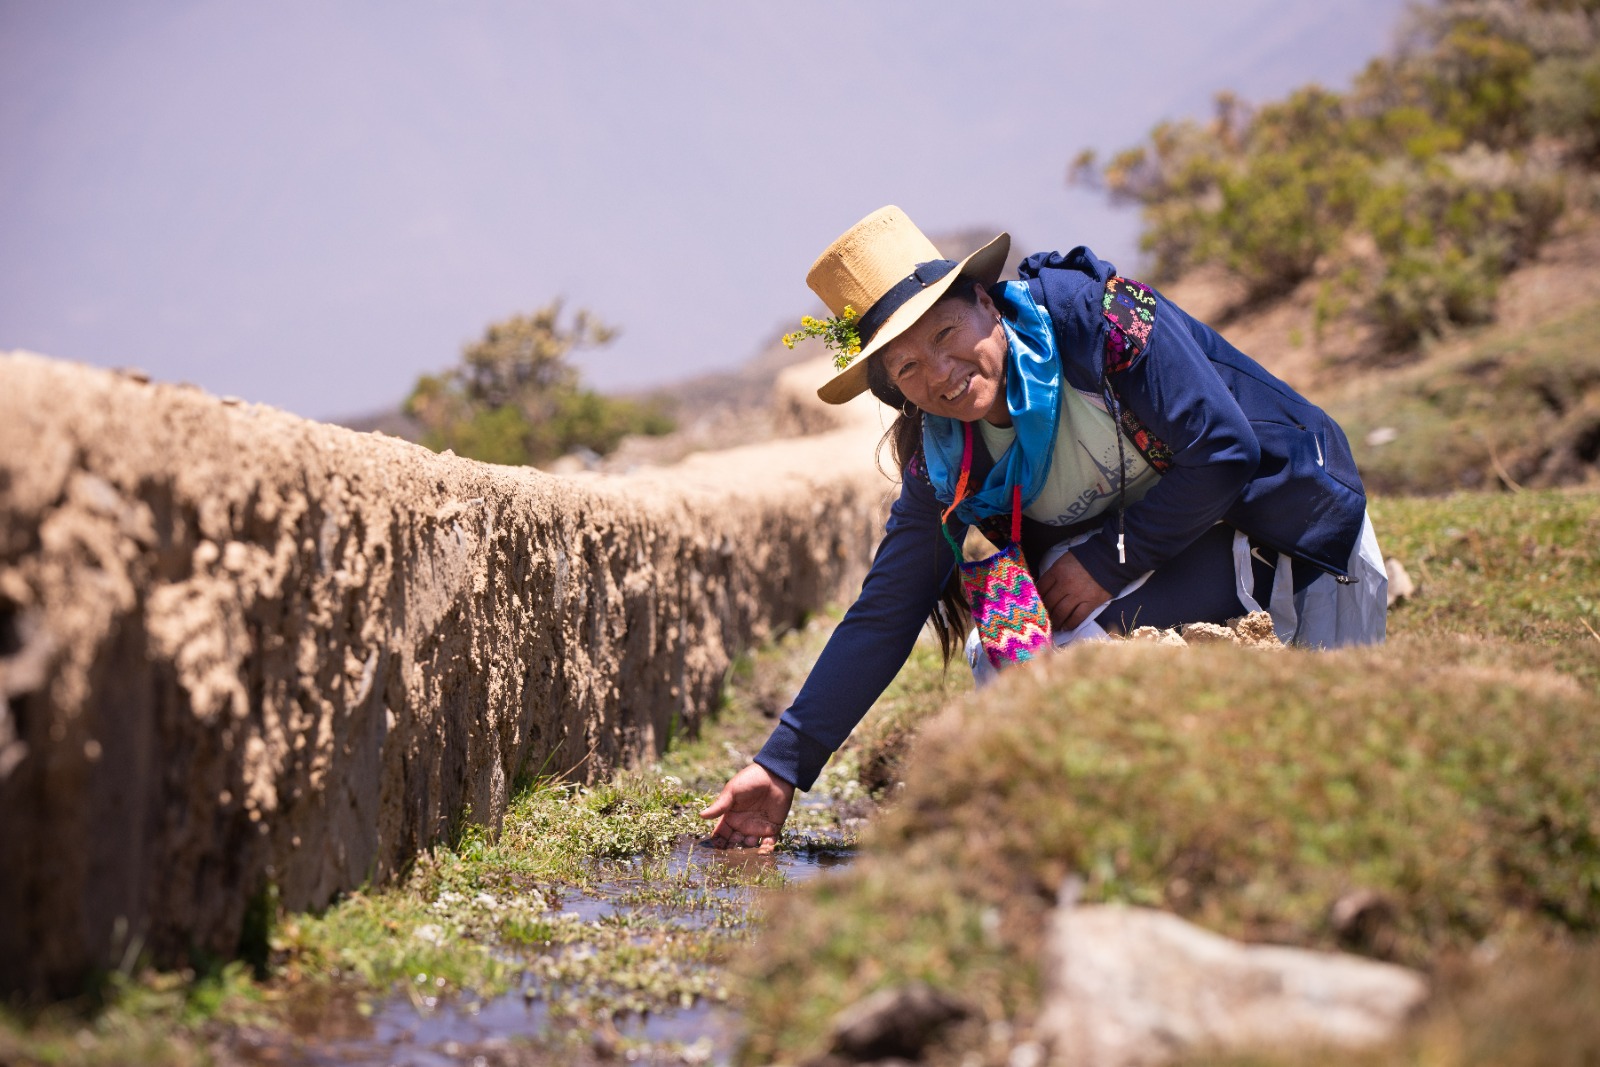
x,y
1154,449
1130,309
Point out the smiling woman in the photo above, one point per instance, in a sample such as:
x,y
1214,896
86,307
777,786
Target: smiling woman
x,y
951,362
1138,469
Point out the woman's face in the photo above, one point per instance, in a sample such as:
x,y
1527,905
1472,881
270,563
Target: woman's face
x,y
952,361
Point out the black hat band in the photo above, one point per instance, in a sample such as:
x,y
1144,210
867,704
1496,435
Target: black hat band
x,y
924,275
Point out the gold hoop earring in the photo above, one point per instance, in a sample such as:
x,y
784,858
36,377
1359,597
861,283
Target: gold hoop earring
x,y
908,409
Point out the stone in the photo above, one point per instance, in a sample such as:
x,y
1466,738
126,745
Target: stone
x,y
897,1022
1401,587
1365,920
1136,987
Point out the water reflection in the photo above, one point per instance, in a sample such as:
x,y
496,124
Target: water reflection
x,y
694,891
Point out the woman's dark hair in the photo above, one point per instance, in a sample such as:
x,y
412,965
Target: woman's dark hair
x,y
951,615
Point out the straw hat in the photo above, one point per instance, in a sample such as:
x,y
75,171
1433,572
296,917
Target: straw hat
x,y
891,274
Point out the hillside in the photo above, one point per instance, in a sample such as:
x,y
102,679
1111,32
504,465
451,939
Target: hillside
x,y
1417,252
1512,403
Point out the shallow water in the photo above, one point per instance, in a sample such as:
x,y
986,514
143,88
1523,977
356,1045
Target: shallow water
x,y
529,1025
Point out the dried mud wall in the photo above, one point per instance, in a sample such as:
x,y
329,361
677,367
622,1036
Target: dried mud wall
x,y
239,648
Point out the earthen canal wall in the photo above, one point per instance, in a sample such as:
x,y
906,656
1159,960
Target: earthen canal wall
x,y
240,648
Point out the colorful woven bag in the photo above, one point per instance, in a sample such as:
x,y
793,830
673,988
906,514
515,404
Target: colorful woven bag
x,y
1012,622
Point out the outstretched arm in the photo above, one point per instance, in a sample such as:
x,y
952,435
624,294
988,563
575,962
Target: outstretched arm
x,y
871,643
867,649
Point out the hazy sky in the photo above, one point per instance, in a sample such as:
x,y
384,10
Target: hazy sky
x,y
309,203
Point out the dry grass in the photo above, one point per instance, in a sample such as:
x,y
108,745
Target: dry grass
x,y
1509,408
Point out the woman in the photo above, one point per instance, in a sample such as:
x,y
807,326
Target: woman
x,y
1162,476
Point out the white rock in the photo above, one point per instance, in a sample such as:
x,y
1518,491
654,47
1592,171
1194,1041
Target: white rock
x,y
1400,584
1133,987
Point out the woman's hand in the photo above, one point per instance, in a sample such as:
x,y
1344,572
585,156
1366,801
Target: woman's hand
x,y
750,810
1069,593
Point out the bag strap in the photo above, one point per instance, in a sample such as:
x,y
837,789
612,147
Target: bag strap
x,y
961,488
961,493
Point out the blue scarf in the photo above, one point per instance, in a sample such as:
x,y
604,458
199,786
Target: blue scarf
x,y
1033,395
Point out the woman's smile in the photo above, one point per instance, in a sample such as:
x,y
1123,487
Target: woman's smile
x,y
952,361
955,394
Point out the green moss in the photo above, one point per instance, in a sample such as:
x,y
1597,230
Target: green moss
x,y
1247,791
497,910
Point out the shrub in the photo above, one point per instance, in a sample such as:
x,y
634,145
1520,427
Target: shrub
x,y
515,398
1429,157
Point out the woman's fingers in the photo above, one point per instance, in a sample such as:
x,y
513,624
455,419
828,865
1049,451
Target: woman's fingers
x,y
750,810
1069,593
720,805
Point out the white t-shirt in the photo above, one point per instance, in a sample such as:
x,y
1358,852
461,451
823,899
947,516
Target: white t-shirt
x,y
1083,481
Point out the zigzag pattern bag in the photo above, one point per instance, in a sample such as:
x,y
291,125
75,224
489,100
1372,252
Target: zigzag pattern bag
x,y
1012,622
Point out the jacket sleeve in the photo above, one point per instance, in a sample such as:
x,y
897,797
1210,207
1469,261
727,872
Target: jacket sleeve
x,y
871,643
1175,391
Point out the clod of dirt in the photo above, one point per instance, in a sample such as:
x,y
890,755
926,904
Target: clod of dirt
x,y
1252,631
1255,630
1205,633
1153,635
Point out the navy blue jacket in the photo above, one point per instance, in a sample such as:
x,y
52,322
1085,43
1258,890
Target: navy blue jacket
x,y
1246,449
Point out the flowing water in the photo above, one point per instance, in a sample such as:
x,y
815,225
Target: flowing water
x,y
694,892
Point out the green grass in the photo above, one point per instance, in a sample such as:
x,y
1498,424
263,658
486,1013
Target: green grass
x,y
1455,772
1517,575
492,912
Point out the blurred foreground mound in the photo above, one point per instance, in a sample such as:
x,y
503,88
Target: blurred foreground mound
x,y
1434,803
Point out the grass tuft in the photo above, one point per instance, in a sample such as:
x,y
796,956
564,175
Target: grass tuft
x,y
1452,775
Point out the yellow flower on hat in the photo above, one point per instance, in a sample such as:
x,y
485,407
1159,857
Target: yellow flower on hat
x,y
839,335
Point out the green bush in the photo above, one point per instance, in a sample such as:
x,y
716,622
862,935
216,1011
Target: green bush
x,y
516,399
1427,167
1565,97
